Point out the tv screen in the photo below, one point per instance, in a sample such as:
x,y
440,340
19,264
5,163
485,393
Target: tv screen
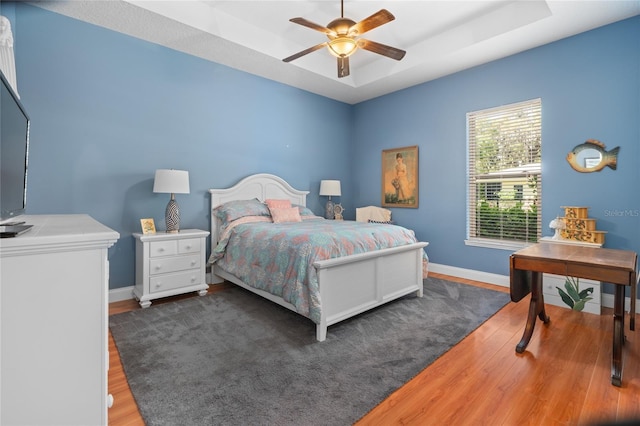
x,y
14,149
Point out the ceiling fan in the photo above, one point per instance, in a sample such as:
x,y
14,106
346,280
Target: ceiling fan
x,y
343,36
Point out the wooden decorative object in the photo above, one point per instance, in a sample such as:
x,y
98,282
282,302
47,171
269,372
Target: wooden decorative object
x,y
579,227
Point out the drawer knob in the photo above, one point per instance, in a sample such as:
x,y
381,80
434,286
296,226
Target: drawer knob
x,y
158,267
193,263
158,285
109,401
188,246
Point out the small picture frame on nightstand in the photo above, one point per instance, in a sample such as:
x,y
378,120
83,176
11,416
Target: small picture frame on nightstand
x,y
148,226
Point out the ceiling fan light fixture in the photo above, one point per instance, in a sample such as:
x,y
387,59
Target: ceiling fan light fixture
x,y
342,47
343,34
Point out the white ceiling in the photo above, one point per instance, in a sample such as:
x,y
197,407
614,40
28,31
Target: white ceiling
x,y
440,37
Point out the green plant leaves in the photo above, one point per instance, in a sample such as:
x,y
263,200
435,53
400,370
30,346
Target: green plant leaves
x,y
573,297
566,298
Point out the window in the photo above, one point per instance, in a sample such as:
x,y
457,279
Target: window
x,y
519,192
505,180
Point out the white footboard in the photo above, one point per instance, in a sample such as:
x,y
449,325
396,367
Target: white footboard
x,y
354,284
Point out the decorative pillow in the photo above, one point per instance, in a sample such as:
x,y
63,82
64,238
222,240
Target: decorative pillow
x,y
386,222
273,203
292,214
232,210
304,211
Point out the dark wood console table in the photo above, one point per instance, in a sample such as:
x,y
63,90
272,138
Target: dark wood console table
x,y
618,267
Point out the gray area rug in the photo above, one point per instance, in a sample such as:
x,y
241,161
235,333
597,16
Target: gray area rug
x,y
233,358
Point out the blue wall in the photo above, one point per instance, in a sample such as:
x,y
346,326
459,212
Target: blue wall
x,y
108,110
590,88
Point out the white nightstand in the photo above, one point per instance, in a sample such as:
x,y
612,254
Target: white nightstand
x,y
170,264
550,282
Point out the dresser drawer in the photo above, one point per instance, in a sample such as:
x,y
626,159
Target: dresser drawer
x,y
163,248
177,280
173,264
191,245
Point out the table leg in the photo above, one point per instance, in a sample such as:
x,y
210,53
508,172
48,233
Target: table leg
x,y
536,308
632,311
618,335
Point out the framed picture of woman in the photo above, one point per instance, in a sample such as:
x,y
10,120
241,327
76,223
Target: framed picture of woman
x,y
400,177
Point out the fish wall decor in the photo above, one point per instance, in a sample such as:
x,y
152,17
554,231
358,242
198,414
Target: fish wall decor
x,y
591,156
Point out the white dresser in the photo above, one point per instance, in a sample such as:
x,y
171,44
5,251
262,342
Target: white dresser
x,y
53,295
170,263
550,282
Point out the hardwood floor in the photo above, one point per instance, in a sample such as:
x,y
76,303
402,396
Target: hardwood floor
x,y
562,378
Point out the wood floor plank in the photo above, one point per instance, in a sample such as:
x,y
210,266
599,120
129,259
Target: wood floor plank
x,y
562,378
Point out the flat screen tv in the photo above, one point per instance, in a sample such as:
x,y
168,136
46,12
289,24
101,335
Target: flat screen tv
x,y
14,154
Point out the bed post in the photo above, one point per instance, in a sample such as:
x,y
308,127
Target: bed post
x,y
321,330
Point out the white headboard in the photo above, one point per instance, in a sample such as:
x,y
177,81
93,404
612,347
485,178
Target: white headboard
x,y
260,186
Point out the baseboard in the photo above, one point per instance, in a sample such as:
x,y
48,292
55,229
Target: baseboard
x,y
607,302
503,281
126,293
470,274
119,294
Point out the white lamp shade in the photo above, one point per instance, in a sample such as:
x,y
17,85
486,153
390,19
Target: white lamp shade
x,y
171,181
330,188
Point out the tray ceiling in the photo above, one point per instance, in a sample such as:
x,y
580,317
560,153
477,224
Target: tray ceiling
x,y
440,37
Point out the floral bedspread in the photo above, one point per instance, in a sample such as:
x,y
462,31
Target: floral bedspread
x,y
278,257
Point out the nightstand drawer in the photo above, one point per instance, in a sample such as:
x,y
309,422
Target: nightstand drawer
x,y
173,264
191,245
163,248
177,280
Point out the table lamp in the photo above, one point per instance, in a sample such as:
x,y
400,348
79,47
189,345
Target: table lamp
x,y
172,182
330,188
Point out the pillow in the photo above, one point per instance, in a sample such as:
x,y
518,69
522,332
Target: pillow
x,y
232,210
292,214
386,222
272,203
304,211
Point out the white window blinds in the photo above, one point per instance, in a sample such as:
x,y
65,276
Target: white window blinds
x,y
505,179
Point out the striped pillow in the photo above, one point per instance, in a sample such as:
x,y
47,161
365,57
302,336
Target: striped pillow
x,y
386,222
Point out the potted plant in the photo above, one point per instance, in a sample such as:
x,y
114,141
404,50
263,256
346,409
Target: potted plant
x,y
573,297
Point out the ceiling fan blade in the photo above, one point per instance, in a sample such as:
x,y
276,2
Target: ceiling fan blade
x,y
381,17
381,49
312,25
343,67
304,52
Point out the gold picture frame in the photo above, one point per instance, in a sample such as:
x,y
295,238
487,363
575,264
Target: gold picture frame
x,y
148,226
400,177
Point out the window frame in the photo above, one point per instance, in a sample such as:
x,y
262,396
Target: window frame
x,y
533,175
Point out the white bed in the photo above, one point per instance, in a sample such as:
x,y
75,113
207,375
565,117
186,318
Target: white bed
x,y
348,285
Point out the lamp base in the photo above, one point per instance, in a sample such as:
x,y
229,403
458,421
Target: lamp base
x,y
172,217
329,213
